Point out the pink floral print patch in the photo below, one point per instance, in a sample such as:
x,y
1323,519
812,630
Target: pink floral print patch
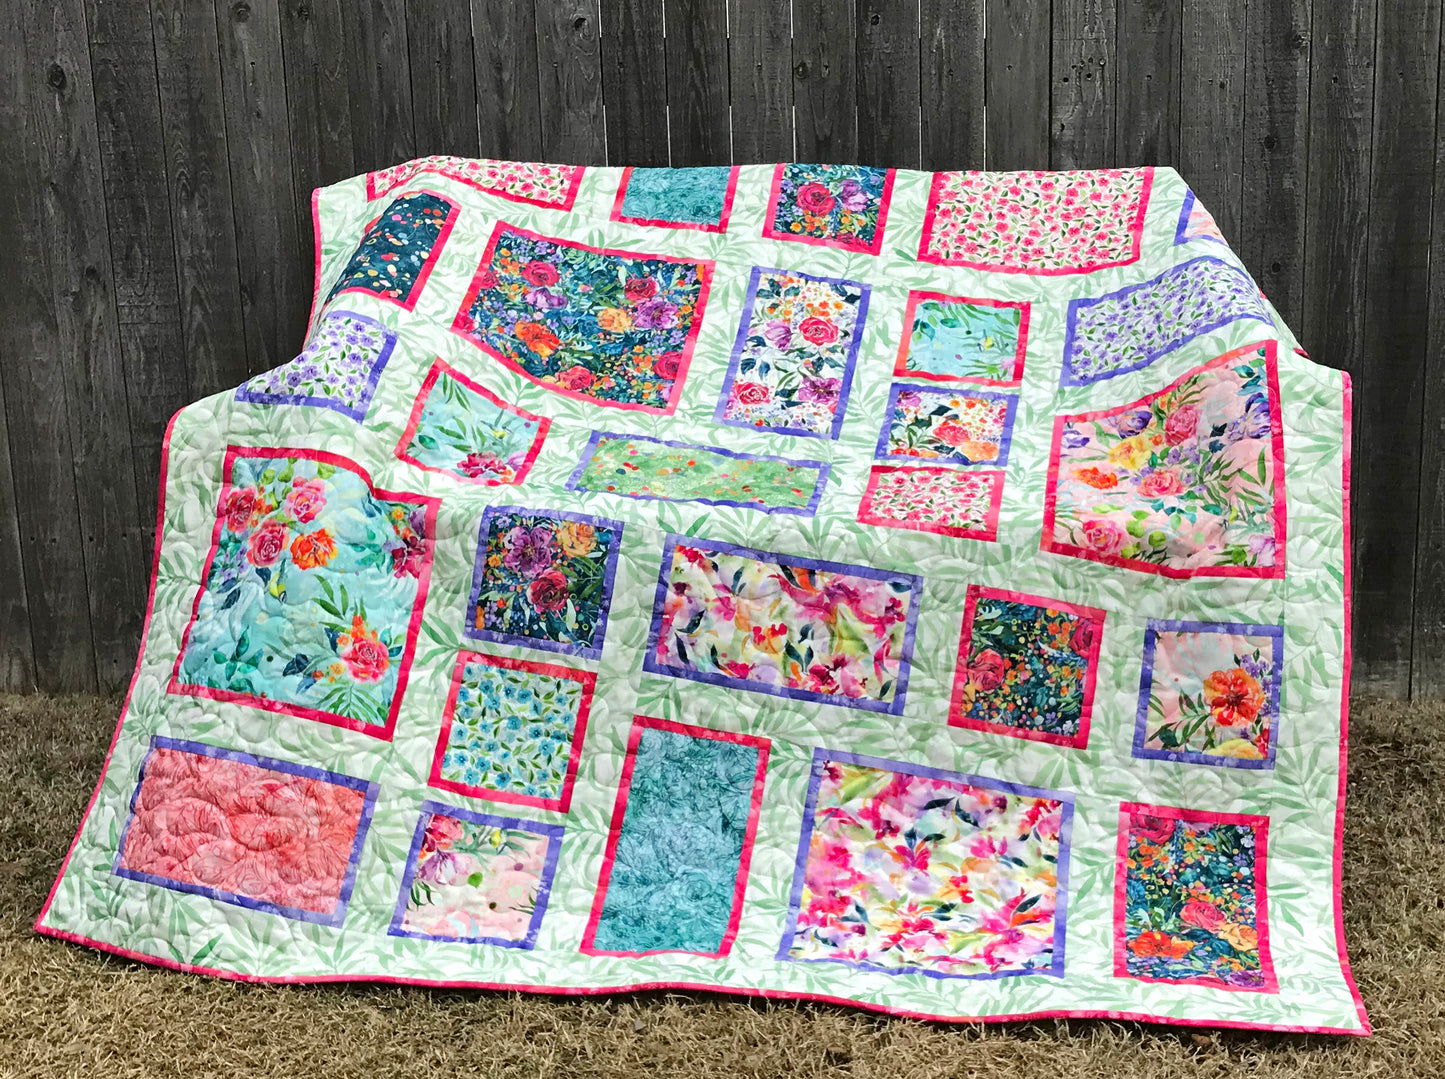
x,y
554,186
942,500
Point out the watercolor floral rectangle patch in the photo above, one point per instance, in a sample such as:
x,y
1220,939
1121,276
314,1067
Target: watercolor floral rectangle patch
x,y
1026,667
903,869
543,578
338,369
792,363
784,625
264,834
676,865
614,328
399,250
312,593
927,499
1189,903
844,206
1209,693
966,427
472,878
693,198
959,339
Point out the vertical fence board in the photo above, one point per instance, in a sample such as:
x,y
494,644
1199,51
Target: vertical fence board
x,y
760,79
1082,109
17,648
1146,83
952,79
1017,90
504,56
1211,109
825,91
634,82
697,82
383,130
888,87
443,84
1391,365
569,69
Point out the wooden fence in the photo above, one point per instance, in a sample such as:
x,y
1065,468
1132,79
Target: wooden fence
x,y
156,158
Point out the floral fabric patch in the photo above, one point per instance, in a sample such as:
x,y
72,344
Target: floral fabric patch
x,y
400,247
958,339
832,205
1036,222
1189,899
338,369
460,427
793,360
474,878
543,578
1026,667
640,467
614,328
1134,326
696,198
676,865
554,186
1186,482
200,822
312,593
967,427
792,627
1209,693
903,869
941,500
1196,223
513,730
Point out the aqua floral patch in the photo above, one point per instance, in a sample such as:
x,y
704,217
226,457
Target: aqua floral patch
x,y
1190,899
312,593
903,869
473,878
513,730
695,198
958,339
338,369
1209,693
614,328
966,427
399,250
543,578
832,205
460,427
945,501
1026,666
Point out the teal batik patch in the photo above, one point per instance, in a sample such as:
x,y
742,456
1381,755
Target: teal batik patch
x,y
699,197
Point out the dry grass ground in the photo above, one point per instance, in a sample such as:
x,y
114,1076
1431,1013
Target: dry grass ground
x,y
65,1010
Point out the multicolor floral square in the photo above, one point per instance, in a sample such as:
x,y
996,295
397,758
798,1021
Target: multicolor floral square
x,y
792,363
959,339
842,206
1209,693
1187,482
676,865
312,593
940,500
1026,667
1196,223
615,328
472,878
695,198
1134,326
400,247
543,578
1036,222
193,827
1189,899
461,428
338,369
966,427
513,730
903,869
789,626
553,186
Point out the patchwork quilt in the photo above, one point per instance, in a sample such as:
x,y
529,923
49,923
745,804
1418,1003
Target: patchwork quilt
x,y
925,591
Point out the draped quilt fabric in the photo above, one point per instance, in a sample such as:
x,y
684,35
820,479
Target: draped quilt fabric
x,y
928,591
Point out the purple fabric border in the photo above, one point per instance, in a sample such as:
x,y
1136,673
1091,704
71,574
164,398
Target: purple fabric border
x,y
809,510
336,916
589,651
822,756
740,342
1146,680
905,660
1066,374
429,809
355,412
880,452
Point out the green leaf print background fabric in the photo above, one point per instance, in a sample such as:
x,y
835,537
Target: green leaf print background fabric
x,y
925,591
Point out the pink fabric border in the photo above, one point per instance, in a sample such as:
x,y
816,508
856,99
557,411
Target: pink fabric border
x,y
900,365
721,226
988,534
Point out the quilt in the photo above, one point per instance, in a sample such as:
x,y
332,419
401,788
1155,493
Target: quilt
x,y
928,591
